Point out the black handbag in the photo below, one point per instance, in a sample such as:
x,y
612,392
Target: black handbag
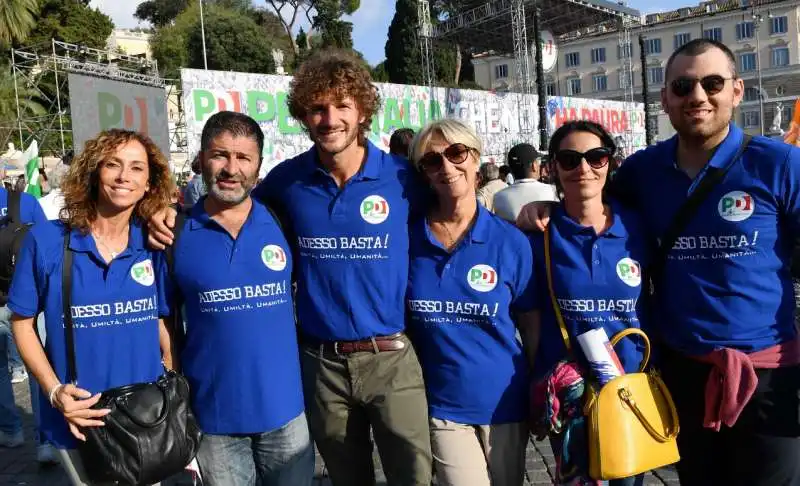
x,y
150,433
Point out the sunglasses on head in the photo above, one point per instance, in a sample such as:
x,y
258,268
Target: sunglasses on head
x,y
456,153
597,158
711,84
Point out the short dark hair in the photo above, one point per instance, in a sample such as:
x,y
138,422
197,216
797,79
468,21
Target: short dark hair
x,y
400,141
700,46
581,126
234,123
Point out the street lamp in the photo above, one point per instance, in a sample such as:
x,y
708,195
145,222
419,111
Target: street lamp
x,y
757,19
203,35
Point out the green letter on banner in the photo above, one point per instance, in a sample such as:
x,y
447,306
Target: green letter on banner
x,y
392,119
204,103
261,106
109,110
285,125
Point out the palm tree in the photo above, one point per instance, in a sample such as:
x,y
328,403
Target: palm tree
x,y
17,18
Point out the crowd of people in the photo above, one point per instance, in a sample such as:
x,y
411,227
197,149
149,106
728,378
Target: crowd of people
x,y
417,301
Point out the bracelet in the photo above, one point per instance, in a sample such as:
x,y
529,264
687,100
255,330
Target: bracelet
x,y
53,392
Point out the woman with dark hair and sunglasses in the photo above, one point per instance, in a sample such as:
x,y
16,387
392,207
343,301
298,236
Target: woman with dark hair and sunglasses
x,y
468,293
597,251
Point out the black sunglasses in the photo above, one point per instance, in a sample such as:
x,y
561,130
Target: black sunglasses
x,y
711,84
597,158
456,153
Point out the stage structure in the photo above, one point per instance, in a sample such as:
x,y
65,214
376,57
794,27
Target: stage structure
x,y
36,68
486,28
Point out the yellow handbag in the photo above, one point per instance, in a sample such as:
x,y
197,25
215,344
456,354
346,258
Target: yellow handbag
x,y
632,421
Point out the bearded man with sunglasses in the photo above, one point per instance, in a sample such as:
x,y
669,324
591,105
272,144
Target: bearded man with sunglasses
x,y
723,306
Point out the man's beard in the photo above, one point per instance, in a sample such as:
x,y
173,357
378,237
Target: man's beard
x,y
229,197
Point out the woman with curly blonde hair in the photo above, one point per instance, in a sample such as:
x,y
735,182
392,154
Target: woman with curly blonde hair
x,y
118,181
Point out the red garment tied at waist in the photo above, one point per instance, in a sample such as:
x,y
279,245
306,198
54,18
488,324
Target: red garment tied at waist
x,y
732,380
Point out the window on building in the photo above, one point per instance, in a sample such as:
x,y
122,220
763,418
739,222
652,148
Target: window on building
x,y
682,38
598,55
655,75
751,119
625,51
779,25
747,62
652,46
751,94
780,90
550,88
573,86
745,30
714,34
572,59
625,80
600,82
501,71
780,56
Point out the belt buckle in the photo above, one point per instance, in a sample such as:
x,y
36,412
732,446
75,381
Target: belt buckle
x,y
336,348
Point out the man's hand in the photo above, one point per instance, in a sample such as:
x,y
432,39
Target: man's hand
x,y
160,229
76,405
534,216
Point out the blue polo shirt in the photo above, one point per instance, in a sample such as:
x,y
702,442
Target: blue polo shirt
x,y
727,281
598,284
29,209
114,312
350,244
240,355
461,320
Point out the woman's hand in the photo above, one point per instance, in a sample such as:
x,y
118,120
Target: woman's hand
x,y
75,403
160,229
534,216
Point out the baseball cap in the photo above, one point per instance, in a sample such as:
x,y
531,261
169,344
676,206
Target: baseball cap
x,y
523,154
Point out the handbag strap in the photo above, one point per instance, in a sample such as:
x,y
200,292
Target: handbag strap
x,y
66,300
638,332
557,310
671,433
686,212
178,332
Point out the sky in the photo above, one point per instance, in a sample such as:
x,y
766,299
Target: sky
x,y
370,21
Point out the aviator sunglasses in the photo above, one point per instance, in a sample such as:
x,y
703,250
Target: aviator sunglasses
x,y
455,153
711,84
597,158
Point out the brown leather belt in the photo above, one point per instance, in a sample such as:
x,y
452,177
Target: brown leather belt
x,y
377,344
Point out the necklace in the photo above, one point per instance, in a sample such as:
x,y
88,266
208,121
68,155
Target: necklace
x,y
114,253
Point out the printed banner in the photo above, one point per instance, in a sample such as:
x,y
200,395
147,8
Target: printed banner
x,y
501,120
97,104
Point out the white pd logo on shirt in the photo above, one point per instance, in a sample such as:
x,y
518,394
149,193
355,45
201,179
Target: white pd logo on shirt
x,y
142,273
374,209
736,206
630,272
482,278
274,257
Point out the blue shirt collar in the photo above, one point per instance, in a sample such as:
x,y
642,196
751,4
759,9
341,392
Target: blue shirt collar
x,y
199,218
85,243
722,156
569,226
370,170
479,233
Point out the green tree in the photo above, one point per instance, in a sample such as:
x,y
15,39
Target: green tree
x,y
17,18
402,47
28,103
233,43
379,74
70,21
160,12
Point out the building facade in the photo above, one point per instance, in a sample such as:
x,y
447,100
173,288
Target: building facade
x,y
130,42
764,35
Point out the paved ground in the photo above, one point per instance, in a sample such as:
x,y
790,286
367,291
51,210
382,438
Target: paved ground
x,y
18,467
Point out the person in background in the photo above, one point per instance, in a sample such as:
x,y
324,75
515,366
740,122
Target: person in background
x,y
195,188
53,202
505,174
113,186
525,163
10,422
490,185
400,141
476,373
597,251
19,183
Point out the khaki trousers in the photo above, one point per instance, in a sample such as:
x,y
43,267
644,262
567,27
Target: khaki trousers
x,y
478,455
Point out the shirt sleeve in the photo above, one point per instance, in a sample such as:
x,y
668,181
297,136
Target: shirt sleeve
x,y
623,184
165,284
523,297
31,210
790,197
24,295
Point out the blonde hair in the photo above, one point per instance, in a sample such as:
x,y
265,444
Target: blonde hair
x,y
454,131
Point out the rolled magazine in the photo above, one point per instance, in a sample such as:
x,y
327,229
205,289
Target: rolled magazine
x,y
603,360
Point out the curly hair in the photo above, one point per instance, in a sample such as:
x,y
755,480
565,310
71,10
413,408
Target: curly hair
x,y
335,74
80,204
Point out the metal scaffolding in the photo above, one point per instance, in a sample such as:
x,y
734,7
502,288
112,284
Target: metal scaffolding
x,y
425,42
31,68
522,58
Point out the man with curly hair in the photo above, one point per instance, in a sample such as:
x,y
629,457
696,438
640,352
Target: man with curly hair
x,y
347,205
